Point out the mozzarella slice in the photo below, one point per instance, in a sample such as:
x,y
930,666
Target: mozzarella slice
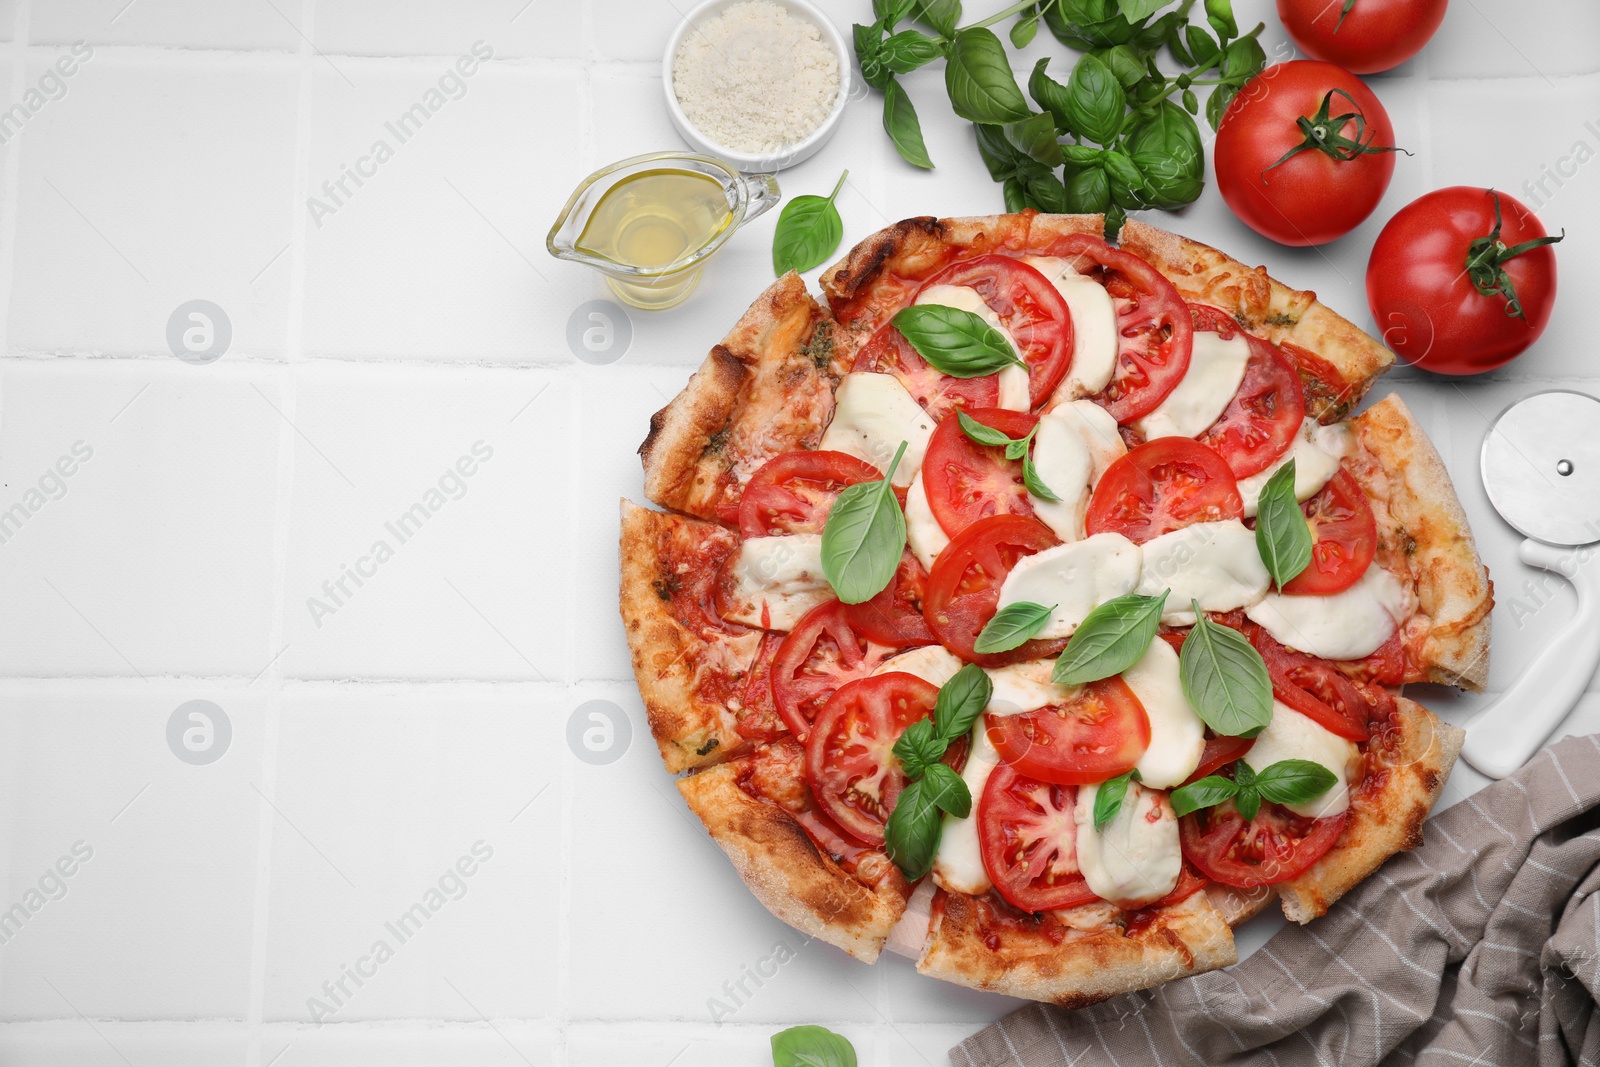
x,y
926,536
1013,379
1099,432
873,413
1216,563
1135,859
931,663
1345,625
1216,368
776,580
1095,336
1063,461
1076,578
1025,687
1177,736
958,864
1316,453
1291,735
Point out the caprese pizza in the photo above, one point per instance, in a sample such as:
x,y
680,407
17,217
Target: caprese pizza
x,y
1040,603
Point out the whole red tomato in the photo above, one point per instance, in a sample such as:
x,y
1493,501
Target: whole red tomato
x,y
1363,36
1304,152
1462,280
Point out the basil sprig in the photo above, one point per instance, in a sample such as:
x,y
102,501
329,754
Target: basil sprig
x,y
811,1046
1111,638
1119,135
1224,679
1283,537
912,833
864,537
1016,448
809,229
955,341
1290,781
1012,626
1108,800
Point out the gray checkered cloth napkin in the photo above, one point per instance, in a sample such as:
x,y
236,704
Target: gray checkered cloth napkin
x,y
1480,949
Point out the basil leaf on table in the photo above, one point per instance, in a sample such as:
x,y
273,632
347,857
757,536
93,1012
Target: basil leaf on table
x,y
1025,29
908,50
892,12
1096,102
979,80
1048,93
811,1046
953,341
904,129
1218,102
946,791
1208,792
1201,44
1124,64
911,835
961,700
1224,679
864,537
918,747
1011,627
809,230
1283,537
1035,137
1220,14
1135,10
1243,59
869,54
1111,638
1108,801
1294,781
942,15
1089,191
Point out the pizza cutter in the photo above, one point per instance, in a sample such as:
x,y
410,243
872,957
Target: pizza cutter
x,y
1541,468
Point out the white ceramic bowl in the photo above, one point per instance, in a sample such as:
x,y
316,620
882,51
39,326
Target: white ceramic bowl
x,y
789,155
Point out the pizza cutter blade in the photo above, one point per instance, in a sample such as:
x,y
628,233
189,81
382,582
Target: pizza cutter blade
x,y
1541,469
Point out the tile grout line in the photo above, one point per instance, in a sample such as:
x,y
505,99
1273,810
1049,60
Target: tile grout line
x,y
287,378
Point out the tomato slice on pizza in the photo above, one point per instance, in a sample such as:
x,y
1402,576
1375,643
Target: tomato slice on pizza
x,y
1345,538
964,585
822,653
1027,836
888,352
1259,424
793,492
1276,846
1161,486
1096,735
894,616
966,481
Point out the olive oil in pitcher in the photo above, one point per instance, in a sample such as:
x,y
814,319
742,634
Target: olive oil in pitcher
x,y
655,219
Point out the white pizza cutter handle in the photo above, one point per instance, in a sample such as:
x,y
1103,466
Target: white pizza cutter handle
x,y
1512,729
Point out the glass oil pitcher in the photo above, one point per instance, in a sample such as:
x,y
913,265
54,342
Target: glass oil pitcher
x,y
650,223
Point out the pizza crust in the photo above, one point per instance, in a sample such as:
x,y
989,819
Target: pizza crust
x,y
1409,482
1267,308
670,659
1385,821
766,389
862,298
1087,967
785,870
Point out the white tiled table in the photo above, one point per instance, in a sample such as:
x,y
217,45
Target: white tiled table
x,y
424,714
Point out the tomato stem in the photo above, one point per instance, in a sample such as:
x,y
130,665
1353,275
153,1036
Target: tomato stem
x,y
1348,4
1325,132
1486,259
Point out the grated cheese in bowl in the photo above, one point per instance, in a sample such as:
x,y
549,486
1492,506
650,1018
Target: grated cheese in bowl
x,y
756,78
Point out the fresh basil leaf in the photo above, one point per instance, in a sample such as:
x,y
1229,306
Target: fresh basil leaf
x,y
901,124
1139,10
1015,450
811,1046
1089,191
809,229
911,834
1096,103
892,12
942,15
1191,102
946,791
918,747
1248,802
1224,679
1217,103
979,80
908,50
1025,29
1035,137
1244,775
1123,172
1083,155
869,54
864,538
1175,41
1111,638
1294,781
961,700
1003,158
1015,194
1115,217
1046,193
1220,14
1048,93
1035,484
1087,24
1124,63
954,341
1242,60
1283,537
1168,153
1012,626
1201,44
1154,34
1208,792
983,435
1108,800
